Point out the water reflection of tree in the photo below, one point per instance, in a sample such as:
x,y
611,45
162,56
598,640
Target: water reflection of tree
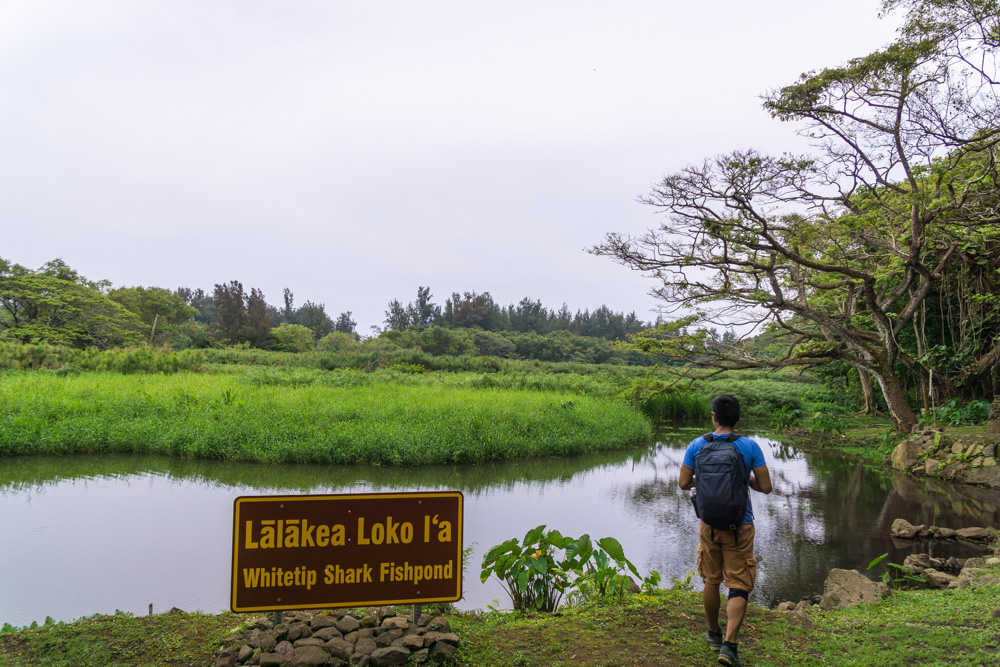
x,y
19,473
826,512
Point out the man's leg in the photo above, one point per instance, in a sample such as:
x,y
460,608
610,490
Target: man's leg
x,y
736,609
710,600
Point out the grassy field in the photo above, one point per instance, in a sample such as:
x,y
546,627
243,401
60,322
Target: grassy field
x,y
666,628
274,415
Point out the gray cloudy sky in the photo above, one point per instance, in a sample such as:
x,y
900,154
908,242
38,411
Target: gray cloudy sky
x,y
355,150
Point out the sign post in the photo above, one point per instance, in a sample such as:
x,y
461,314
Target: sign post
x,y
350,550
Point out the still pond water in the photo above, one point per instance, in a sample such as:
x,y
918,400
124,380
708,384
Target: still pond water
x,y
92,534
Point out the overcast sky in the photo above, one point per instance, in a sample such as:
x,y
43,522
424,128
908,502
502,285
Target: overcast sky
x,y
352,151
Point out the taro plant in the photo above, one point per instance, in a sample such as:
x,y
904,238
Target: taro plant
x,y
785,417
546,565
825,423
528,569
604,570
894,574
954,413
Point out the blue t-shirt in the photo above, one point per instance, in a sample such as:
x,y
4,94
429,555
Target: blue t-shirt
x,y
750,450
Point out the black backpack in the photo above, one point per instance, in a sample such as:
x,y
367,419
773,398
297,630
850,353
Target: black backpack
x,y
722,479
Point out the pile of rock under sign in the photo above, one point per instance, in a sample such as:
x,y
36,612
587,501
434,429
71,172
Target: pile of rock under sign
x,y
337,639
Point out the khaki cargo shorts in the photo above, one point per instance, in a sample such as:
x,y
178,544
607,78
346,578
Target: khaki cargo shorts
x,y
719,560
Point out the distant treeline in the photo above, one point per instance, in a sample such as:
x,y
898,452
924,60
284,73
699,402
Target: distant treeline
x,y
56,305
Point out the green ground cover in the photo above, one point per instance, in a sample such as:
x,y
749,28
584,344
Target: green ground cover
x,y
305,415
663,629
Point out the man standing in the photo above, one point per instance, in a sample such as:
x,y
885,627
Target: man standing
x,y
723,554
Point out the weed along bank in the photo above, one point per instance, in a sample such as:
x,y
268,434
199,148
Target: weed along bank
x,y
353,550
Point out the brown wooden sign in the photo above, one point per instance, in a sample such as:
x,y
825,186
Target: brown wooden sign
x,y
352,550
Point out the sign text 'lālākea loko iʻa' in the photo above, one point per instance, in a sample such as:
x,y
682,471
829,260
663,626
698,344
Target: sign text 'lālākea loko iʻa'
x,y
303,552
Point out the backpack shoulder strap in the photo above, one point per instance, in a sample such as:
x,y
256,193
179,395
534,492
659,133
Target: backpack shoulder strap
x,y
709,437
733,437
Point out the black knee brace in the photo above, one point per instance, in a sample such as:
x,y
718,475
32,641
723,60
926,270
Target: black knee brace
x,y
738,593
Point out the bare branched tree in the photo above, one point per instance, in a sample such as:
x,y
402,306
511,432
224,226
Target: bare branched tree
x,y
839,249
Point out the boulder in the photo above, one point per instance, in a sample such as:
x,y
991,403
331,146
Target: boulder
x,y
988,475
432,638
321,621
975,577
905,529
397,622
270,659
339,648
410,642
847,588
443,653
348,624
945,533
938,579
957,448
308,656
439,624
931,466
989,461
365,645
388,637
267,642
389,656
958,471
917,563
228,657
974,533
905,455
327,633
309,641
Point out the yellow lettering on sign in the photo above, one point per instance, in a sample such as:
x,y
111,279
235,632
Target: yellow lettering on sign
x,y
444,531
292,533
249,543
268,538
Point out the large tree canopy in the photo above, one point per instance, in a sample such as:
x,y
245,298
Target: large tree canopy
x,y
842,248
55,305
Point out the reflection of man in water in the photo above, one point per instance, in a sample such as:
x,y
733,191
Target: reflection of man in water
x,y
723,555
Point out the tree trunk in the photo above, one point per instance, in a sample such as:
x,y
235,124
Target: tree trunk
x,y
868,390
896,400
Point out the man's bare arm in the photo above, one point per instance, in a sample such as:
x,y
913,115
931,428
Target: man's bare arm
x,y
760,479
686,479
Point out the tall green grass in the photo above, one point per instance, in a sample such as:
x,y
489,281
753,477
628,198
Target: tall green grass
x,y
677,405
246,417
69,360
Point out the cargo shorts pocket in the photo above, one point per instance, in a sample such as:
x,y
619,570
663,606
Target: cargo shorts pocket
x,y
751,572
701,562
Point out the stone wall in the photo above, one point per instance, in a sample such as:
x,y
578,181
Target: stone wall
x,y
931,452
993,425
337,639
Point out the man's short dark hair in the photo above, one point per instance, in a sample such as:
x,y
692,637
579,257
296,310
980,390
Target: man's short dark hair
x,y
726,409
